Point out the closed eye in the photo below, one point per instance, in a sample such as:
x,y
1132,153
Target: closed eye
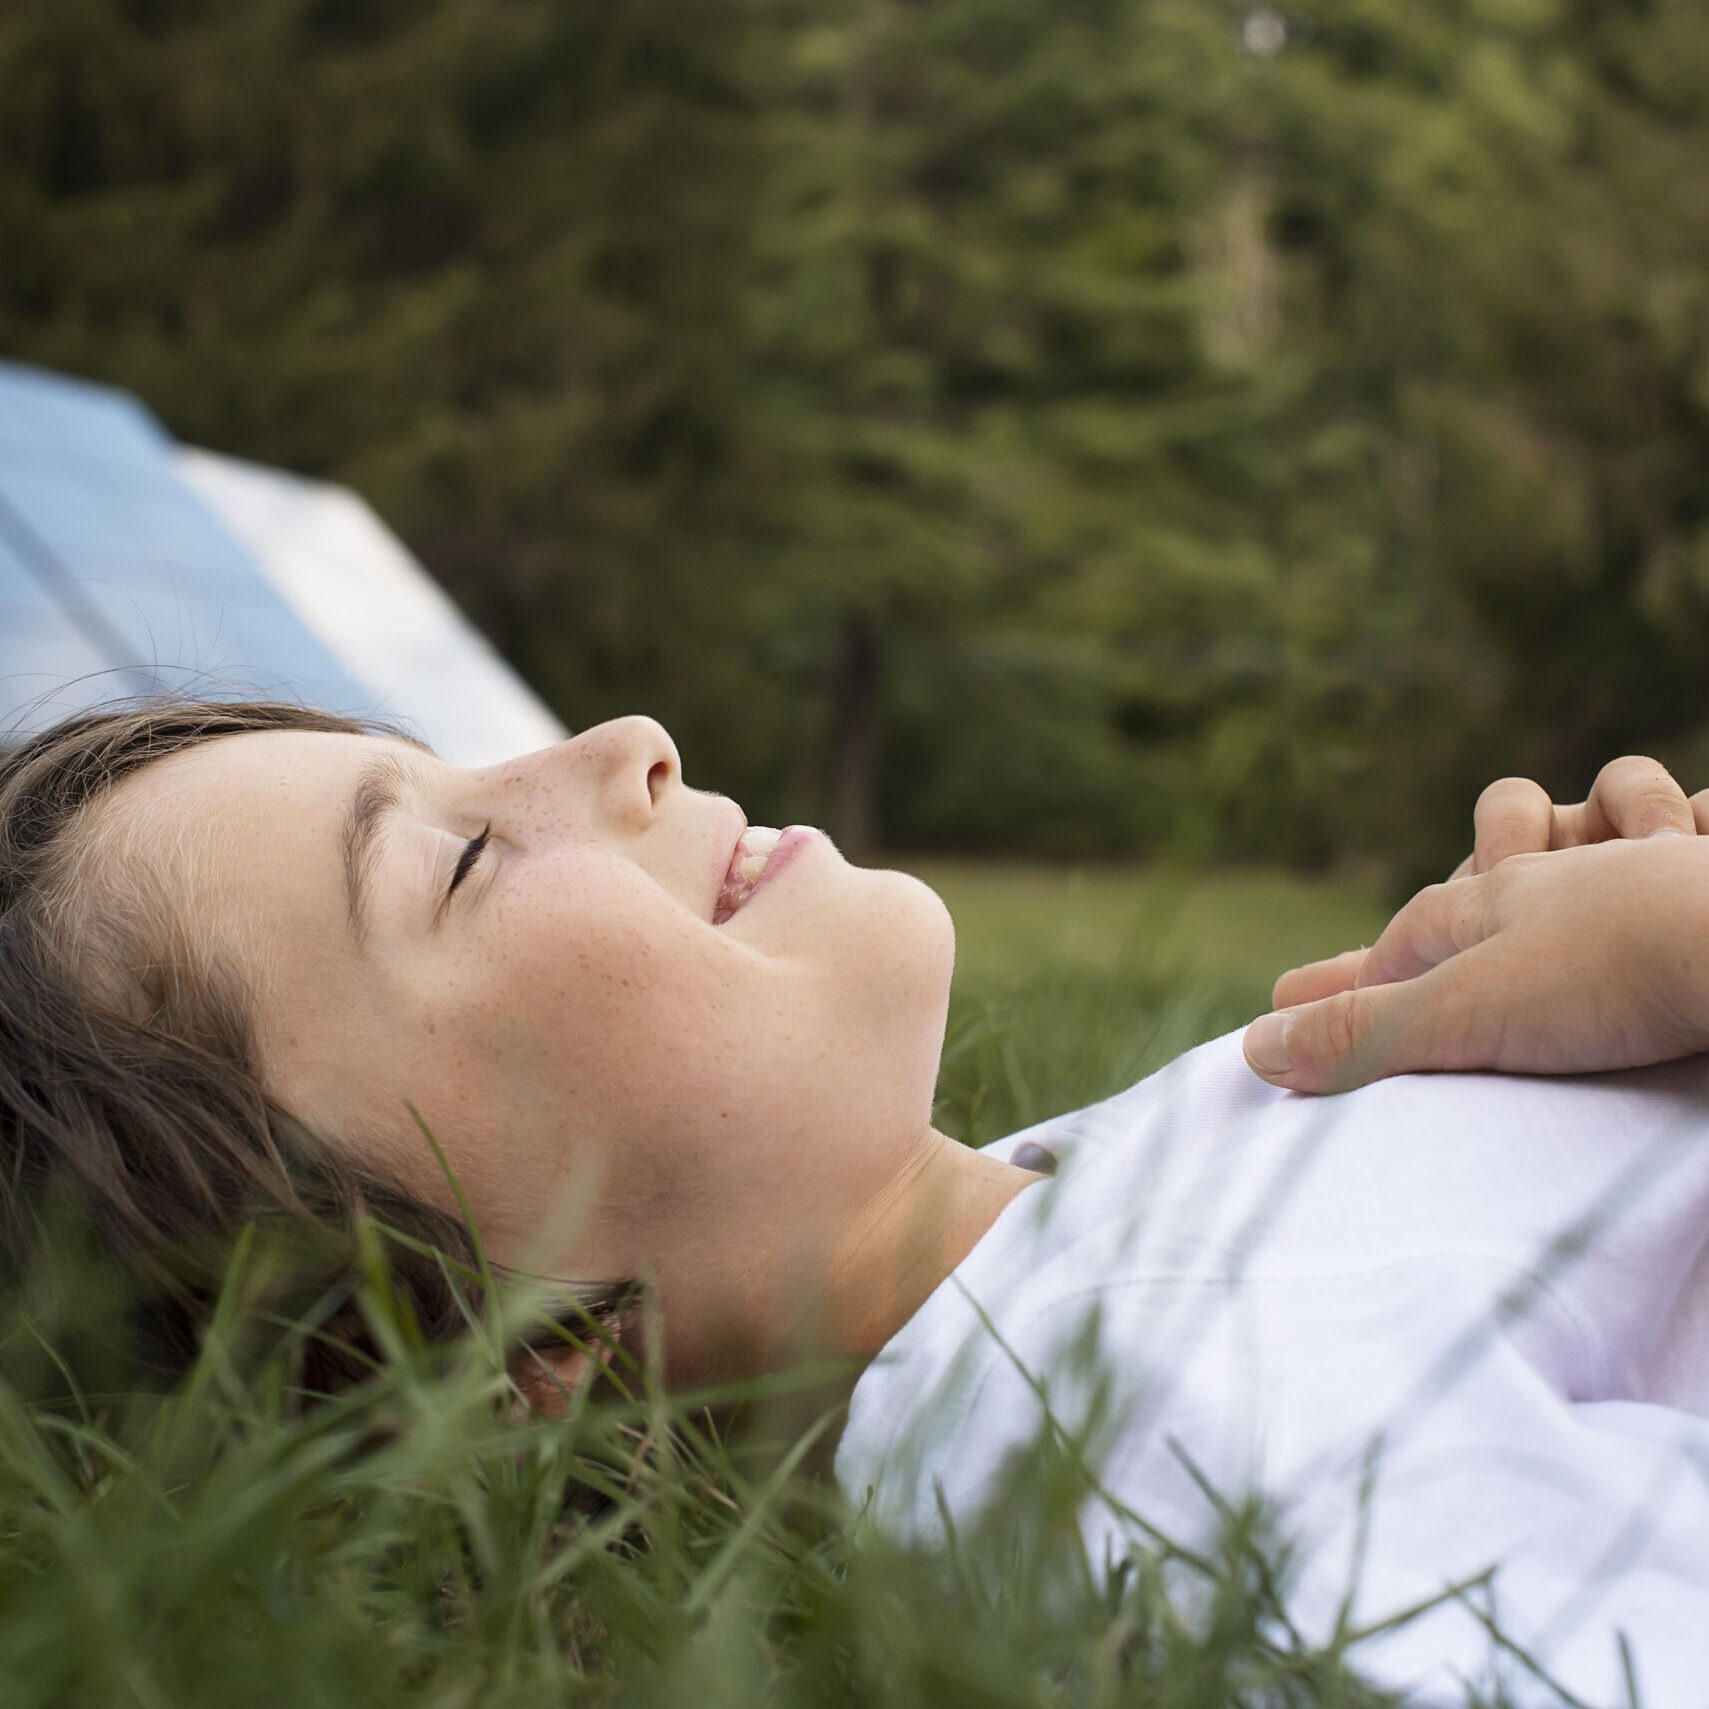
x,y
466,860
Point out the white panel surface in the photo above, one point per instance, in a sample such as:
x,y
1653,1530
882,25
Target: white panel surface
x,y
116,580
357,589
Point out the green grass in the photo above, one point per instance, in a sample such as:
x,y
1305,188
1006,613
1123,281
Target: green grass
x,y
409,1545
1238,928
1072,983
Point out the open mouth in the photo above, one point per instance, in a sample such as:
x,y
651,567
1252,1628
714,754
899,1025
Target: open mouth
x,y
756,845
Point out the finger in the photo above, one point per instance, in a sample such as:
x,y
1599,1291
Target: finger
x,y
1372,1032
1633,796
1700,811
1317,979
1441,921
1513,816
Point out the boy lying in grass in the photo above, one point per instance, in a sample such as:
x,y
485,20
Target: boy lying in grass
x,y
251,956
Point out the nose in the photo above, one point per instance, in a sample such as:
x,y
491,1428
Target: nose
x,y
630,765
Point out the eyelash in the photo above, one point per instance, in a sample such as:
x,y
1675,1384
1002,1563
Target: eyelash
x,y
466,860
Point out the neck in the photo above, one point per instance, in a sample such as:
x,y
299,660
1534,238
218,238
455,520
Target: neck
x,y
842,1293
910,1237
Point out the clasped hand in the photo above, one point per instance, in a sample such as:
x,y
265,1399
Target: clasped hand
x,y
1573,938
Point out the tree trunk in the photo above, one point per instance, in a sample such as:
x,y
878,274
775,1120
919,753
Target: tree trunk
x,y
852,781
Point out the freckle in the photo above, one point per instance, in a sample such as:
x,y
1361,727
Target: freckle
x,y
433,1026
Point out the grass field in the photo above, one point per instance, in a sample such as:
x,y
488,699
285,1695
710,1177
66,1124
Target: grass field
x,y
409,1544
1237,928
1071,983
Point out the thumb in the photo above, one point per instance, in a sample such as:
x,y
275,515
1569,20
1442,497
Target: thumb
x,y
1366,1033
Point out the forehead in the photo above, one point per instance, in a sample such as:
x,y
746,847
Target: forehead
x,y
238,780
250,821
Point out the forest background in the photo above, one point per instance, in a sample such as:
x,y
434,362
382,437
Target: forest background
x,y
1088,427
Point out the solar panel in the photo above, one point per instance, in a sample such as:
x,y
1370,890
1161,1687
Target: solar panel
x,y
130,564
76,418
357,588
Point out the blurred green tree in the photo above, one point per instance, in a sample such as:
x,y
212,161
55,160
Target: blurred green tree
x,y
480,258
1089,428
1494,225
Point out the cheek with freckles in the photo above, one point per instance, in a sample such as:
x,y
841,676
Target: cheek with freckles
x,y
599,1059
570,1048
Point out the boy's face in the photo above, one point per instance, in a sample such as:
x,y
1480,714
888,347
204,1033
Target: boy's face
x,y
530,955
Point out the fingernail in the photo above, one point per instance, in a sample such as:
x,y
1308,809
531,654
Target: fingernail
x,y
1668,831
1267,1044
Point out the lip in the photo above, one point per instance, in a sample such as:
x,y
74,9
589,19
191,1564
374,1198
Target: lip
x,y
792,840
735,827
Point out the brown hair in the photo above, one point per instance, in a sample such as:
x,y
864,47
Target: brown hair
x,y
130,1092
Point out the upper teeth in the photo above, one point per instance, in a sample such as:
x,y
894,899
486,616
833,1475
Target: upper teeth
x,y
753,849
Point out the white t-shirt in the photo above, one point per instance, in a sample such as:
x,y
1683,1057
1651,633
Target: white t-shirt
x,y
1490,1296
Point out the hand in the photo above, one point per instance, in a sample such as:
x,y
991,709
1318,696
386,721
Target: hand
x,y
1590,958
1632,797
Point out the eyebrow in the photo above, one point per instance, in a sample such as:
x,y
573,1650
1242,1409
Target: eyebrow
x,y
375,798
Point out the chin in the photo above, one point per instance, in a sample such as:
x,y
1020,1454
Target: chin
x,y
887,951
924,950
926,917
